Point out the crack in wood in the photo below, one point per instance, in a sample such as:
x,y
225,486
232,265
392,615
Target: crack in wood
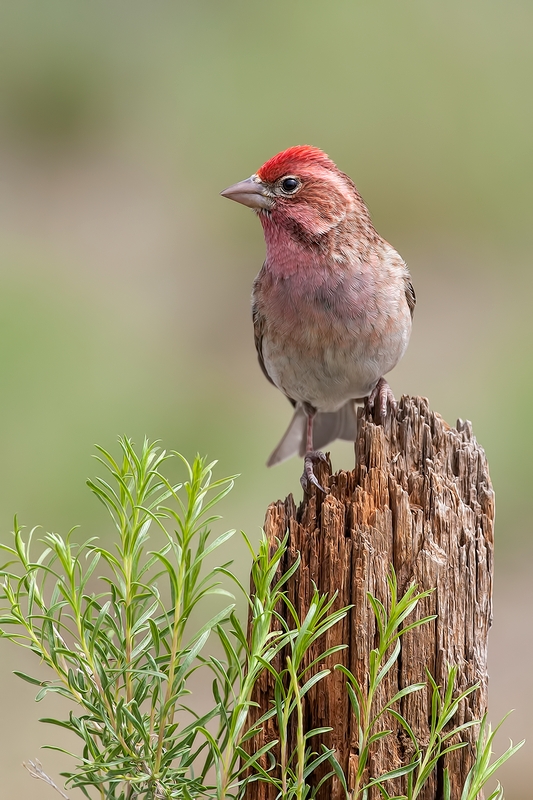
x,y
420,497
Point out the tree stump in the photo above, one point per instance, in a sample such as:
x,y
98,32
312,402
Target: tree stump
x,y
419,498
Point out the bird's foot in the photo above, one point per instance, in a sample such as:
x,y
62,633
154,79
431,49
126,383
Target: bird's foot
x,y
383,393
308,478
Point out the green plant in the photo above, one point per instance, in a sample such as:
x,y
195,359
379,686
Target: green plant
x,y
381,661
444,706
122,648
482,769
117,649
116,629
235,677
296,766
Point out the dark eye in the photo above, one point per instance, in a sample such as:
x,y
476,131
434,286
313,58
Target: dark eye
x,y
289,185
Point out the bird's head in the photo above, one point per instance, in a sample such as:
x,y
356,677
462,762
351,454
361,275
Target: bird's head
x,y
300,189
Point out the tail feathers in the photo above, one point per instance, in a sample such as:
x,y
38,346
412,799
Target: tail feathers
x,y
293,440
327,426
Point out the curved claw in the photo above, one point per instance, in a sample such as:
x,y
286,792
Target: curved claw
x,y
382,391
308,477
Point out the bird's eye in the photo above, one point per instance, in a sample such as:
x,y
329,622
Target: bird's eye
x,y
289,185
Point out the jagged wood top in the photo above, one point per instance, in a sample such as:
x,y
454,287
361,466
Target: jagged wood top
x,y
419,497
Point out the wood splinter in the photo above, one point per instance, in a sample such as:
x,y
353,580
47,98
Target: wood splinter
x,y
419,498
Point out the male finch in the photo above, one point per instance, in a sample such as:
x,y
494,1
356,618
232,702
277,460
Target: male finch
x,y
332,304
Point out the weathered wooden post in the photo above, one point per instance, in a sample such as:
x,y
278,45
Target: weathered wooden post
x,y
419,498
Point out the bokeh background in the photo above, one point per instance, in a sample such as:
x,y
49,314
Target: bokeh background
x,y
125,279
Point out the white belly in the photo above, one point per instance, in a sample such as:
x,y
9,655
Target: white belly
x,y
327,377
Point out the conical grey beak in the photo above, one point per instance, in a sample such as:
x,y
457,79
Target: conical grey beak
x,y
251,193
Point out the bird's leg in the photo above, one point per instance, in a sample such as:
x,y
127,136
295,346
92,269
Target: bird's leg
x,y
311,456
382,391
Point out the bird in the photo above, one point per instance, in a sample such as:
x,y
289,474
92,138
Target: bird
x,y
332,305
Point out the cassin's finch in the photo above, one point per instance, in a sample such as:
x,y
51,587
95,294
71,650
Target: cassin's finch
x,y
332,305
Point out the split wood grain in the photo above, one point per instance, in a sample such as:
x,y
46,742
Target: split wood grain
x,y
419,498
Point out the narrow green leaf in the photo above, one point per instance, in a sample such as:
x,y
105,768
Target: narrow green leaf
x,y
29,679
339,772
377,736
394,773
318,676
389,663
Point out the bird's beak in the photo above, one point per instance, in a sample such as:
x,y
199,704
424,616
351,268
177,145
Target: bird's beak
x,y
251,192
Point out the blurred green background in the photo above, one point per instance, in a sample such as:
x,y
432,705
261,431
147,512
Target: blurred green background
x,y
125,279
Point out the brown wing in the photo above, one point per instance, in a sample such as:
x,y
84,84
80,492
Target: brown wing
x,y
410,295
258,321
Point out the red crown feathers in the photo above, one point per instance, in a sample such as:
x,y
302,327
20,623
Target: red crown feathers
x,y
292,160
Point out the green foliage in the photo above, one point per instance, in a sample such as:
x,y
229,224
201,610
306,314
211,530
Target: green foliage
x,y
390,630
114,628
482,770
444,706
116,648
291,684
120,648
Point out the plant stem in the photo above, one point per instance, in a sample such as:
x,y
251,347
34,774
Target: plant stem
x,y
167,714
300,737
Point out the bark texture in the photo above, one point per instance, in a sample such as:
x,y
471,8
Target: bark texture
x,y
419,498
